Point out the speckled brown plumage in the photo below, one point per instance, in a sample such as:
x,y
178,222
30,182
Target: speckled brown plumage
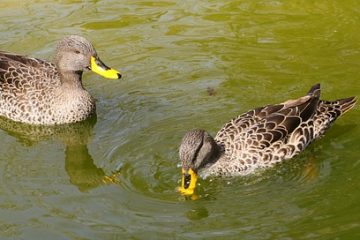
x,y
35,91
262,137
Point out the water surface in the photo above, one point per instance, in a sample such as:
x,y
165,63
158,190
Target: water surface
x,y
186,64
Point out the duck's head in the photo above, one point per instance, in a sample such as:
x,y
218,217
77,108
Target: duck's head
x,y
76,54
197,149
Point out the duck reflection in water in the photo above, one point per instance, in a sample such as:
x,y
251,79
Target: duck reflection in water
x,y
79,164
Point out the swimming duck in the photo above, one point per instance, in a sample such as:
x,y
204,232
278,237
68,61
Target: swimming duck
x,y
258,138
38,92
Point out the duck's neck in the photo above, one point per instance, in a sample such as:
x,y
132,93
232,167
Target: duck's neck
x,y
214,163
71,79
216,152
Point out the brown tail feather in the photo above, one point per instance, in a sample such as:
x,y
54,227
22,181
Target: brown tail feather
x,y
346,104
314,90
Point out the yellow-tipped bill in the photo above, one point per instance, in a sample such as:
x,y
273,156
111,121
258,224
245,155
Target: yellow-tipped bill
x,y
188,182
100,68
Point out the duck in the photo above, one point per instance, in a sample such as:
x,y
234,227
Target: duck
x,y
259,138
39,92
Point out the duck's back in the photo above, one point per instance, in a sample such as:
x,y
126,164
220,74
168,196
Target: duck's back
x,y
26,85
270,134
18,69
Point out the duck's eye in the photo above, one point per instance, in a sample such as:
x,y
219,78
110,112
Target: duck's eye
x,y
77,52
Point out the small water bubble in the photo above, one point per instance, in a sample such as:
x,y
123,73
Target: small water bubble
x,y
118,167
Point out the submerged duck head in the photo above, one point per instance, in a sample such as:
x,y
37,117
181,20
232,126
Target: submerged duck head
x,y
77,54
197,149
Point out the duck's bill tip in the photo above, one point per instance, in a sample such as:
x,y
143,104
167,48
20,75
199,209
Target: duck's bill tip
x,y
186,192
110,74
97,66
188,182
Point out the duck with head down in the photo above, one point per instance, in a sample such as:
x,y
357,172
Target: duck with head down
x,y
197,150
258,138
35,91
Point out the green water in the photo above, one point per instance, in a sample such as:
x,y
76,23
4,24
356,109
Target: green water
x,y
186,64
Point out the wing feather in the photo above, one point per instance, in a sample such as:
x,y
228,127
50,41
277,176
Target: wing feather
x,y
261,127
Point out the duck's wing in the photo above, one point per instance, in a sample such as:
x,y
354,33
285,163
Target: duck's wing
x,y
21,72
260,128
